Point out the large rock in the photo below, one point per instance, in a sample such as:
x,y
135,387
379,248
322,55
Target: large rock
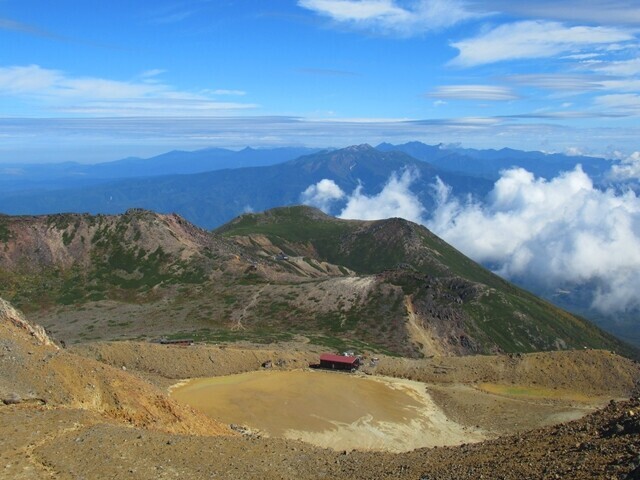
x,y
9,314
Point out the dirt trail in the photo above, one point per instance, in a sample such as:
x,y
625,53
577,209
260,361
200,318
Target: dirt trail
x,y
40,469
237,325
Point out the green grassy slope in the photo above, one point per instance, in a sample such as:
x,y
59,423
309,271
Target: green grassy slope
x,y
450,290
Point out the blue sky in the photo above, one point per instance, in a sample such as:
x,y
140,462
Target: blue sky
x,y
96,81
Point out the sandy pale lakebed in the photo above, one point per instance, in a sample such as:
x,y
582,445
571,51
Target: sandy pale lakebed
x,y
335,410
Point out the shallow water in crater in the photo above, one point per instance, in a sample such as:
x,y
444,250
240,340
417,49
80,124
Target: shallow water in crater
x,y
328,409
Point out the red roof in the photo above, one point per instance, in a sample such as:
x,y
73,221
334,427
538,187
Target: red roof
x,y
329,357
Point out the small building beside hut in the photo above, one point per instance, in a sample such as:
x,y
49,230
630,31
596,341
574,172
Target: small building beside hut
x,y
339,362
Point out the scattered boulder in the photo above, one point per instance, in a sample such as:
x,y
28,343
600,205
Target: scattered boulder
x,y
626,424
12,399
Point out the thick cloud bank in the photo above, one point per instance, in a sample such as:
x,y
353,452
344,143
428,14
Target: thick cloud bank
x,y
322,195
394,200
554,233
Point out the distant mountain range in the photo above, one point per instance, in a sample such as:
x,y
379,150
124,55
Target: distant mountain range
x,y
489,163
212,198
55,176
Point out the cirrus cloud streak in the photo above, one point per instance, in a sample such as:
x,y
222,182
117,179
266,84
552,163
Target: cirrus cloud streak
x,y
533,39
474,92
53,91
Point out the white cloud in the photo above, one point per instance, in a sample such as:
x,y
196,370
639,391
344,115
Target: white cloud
x,y
533,39
322,195
582,56
574,151
388,17
628,168
474,92
27,80
394,200
54,91
556,233
357,10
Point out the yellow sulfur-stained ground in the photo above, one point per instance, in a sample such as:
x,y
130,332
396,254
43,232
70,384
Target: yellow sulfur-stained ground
x,y
328,409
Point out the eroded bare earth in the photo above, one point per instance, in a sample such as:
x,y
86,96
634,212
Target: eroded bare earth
x,y
102,411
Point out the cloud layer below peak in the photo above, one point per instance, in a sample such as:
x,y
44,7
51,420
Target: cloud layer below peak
x,y
551,234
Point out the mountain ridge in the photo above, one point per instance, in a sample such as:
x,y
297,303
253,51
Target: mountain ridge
x,y
412,257
389,285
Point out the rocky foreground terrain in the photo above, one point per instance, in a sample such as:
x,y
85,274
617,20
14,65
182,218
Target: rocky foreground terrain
x,y
101,411
554,396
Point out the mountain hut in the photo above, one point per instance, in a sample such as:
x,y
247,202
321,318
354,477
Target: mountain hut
x,y
338,362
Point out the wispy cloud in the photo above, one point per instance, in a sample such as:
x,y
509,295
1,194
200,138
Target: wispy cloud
x,y
533,39
152,73
623,103
622,85
566,114
577,84
390,17
623,68
12,25
609,12
173,12
222,91
474,92
54,91
557,81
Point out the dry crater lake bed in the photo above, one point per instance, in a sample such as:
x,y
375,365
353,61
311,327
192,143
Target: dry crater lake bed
x,y
328,409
